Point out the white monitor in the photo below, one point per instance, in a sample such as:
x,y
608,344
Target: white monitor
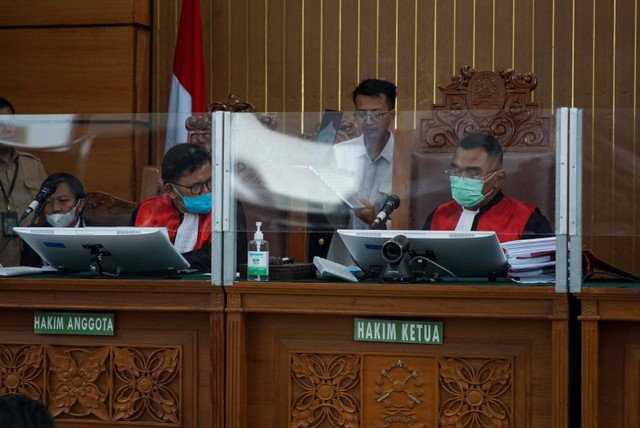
x,y
465,254
123,249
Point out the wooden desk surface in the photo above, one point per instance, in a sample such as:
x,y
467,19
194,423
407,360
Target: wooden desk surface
x,y
114,294
499,301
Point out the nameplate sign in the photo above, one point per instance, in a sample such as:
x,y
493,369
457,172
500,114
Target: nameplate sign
x,y
81,323
398,331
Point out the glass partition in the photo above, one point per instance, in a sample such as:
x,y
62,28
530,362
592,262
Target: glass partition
x,y
306,176
91,170
309,183
610,201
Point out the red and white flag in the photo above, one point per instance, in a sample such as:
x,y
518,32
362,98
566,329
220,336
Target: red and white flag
x,y
188,83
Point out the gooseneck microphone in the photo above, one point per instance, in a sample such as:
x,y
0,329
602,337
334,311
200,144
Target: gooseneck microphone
x,y
390,204
45,191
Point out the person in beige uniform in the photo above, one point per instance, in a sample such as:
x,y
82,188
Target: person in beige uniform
x,y
21,175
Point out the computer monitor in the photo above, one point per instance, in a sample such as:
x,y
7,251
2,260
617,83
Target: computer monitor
x,y
108,249
464,254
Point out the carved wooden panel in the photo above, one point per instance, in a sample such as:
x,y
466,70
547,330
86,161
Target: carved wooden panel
x,y
331,390
476,392
487,102
21,370
101,383
400,390
325,390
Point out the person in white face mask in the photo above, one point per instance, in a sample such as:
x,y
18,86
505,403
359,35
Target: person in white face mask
x,y
62,209
475,176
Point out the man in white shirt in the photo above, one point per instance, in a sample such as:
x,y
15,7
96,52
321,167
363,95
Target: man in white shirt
x,y
368,158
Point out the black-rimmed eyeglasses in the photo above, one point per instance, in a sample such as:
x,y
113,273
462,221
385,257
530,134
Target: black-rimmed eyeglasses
x,y
196,188
375,116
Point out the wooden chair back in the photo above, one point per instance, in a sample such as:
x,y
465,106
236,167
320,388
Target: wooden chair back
x,y
496,103
104,209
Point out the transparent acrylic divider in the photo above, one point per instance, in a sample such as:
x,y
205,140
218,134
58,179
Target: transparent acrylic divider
x,y
298,178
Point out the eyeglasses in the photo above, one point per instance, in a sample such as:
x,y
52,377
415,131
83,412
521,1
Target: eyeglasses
x,y
375,116
196,188
465,174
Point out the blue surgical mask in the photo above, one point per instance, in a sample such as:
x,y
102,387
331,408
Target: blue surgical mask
x,y
468,191
198,204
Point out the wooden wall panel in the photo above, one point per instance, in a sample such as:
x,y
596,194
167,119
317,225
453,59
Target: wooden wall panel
x,y
349,71
275,53
330,55
463,45
424,90
68,69
406,61
515,42
422,43
83,58
73,12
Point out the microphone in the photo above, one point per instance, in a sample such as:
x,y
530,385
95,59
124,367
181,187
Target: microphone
x,y
390,204
45,191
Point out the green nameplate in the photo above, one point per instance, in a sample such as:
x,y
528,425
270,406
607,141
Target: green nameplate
x,y
89,324
397,331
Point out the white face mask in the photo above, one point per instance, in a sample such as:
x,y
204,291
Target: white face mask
x,y
62,220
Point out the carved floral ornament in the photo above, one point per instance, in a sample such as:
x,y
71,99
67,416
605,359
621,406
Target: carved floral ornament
x,y
497,103
479,395
21,370
327,386
97,384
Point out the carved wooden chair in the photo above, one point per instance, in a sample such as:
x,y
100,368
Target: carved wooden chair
x,y
104,209
496,103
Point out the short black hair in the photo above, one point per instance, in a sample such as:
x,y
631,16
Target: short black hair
x,y
183,159
21,411
6,103
486,142
377,87
75,185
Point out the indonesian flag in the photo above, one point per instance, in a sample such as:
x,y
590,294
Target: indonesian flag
x,y
188,84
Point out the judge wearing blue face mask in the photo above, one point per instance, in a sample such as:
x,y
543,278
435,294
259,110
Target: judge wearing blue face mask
x,y
185,207
475,176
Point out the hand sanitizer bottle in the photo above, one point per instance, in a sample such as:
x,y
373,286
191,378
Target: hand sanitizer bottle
x,y
258,257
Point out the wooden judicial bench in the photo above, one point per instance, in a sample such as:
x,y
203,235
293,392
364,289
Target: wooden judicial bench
x,y
163,366
610,327
186,353
292,359
289,357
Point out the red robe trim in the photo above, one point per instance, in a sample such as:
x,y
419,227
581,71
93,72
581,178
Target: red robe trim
x,y
507,218
160,212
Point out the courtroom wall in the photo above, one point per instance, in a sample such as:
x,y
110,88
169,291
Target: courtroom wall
x,y
83,58
307,55
72,56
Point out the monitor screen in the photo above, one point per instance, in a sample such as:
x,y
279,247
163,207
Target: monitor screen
x,y
121,249
465,254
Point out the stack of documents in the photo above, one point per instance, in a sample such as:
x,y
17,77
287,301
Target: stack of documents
x,y
531,261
